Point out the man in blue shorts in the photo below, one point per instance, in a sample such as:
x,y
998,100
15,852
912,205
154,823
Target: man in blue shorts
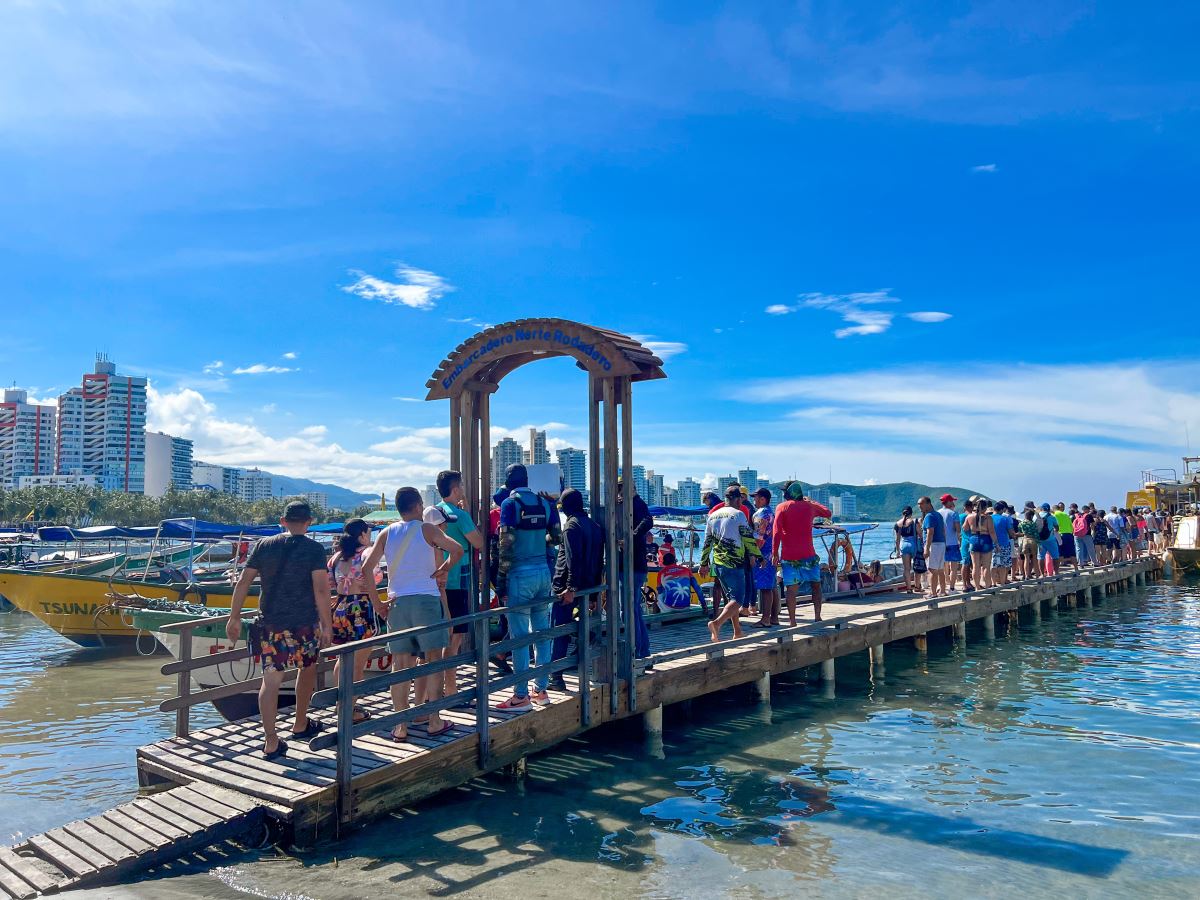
x,y
952,534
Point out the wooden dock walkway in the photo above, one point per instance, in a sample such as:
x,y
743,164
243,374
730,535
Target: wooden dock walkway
x,y
304,794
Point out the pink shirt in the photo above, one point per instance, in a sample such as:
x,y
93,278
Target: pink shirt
x,y
794,529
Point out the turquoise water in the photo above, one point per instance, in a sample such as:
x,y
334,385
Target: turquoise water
x,y
1061,759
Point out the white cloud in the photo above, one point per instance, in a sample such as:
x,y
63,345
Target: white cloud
x,y
780,309
408,399
987,167
261,369
291,354
314,431
664,350
415,288
853,308
928,316
214,367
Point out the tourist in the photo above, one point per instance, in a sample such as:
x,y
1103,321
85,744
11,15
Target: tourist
x,y
1081,528
713,502
766,580
728,541
964,552
357,608
460,526
1006,531
1048,540
981,543
905,531
666,546
643,524
953,536
529,525
578,566
1153,529
1028,543
933,523
417,574
1101,534
676,584
794,546
294,622
1119,541
1066,536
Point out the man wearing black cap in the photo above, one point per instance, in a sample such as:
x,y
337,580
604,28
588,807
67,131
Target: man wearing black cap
x,y
294,619
578,566
529,524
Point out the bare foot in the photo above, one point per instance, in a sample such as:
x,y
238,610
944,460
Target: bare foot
x,y
737,629
712,629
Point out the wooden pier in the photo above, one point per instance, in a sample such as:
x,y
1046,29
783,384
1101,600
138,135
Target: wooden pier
x,y
221,787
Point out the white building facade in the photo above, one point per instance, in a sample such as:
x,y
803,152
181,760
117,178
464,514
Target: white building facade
x,y
168,462
27,439
102,429
254,485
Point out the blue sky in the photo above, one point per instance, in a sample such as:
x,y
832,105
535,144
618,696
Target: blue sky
x,y
945,242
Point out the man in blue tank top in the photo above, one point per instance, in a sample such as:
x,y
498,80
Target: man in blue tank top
x,y
529,524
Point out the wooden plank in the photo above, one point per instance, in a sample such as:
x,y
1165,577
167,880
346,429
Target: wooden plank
x,y
216,767
12,886
28,870
60,856
198,817
203,801
186,770
141,830
287,770
98,840
122,836
229,798
158,819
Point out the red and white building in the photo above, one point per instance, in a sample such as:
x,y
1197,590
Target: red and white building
x,y
102,429
27,444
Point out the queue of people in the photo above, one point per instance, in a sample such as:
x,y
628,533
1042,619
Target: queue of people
x,y
989,543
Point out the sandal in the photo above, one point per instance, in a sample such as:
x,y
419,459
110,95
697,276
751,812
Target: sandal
x,y
361,715
311,729
400,738
280,750
446,726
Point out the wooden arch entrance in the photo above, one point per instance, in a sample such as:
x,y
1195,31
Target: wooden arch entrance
x,y
613,362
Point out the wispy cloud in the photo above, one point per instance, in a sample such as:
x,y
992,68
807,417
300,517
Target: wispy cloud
x,y
291,354
261,369
408,399
414,288
987,167
664,350
859,310
214,367
928,316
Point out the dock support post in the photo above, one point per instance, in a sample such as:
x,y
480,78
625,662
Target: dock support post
x,y
652,721
1085,597
921,642
1036,609
989,627
1140,579
1097,593
1072,599
960,631
762,688
877,655
827,670
516,769
345,743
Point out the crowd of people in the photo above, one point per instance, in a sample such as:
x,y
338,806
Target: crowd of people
x,y
989,543
546,558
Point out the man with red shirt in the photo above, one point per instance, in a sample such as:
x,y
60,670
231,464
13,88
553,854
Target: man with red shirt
x,y
794,546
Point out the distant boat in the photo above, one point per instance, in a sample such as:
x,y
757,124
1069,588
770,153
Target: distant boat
x,y
1185,549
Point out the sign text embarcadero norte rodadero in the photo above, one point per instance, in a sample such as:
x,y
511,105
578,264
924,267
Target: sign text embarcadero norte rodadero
x,y
539,338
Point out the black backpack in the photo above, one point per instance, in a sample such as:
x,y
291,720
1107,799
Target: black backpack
x,y
1044,533
533,517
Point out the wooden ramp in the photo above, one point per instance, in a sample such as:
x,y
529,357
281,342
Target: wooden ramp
x,y
123,841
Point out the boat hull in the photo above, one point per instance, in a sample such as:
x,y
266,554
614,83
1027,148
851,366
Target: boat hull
x,y
1185,560
75,605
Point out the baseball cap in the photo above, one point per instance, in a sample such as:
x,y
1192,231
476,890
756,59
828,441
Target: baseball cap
x,y
795,491
297,511
946,498
1045,507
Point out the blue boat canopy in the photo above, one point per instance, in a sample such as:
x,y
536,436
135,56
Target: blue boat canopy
x,y
678,510
173,529
824,530
95,533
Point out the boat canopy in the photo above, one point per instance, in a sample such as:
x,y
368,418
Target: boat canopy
x,y
823,530
678,510
174,529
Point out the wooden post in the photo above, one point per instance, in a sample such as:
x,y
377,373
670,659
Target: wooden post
x,y
479,597
921,642
595,498
960,631
762,688
345,741
828,670
652,720
183,682
1097,593
613,606
455,434
628,585
483,641
1072,600
989,627
877,655
583,648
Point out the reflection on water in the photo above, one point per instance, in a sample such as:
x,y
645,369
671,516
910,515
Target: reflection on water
x,y
1060,758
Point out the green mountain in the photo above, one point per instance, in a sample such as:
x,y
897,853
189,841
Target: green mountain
x,y
883,502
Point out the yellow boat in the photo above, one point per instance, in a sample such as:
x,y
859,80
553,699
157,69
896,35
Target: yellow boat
x,y
76,605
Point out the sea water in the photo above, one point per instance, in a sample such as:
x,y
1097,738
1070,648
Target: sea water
x,y
1061,758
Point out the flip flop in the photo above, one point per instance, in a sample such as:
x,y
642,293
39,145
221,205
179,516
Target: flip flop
x,y
446,726
311,729
400,739
361,715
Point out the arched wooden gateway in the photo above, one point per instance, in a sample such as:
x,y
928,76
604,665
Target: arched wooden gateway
x,y
613,362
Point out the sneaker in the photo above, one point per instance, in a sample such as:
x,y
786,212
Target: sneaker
x,y
515,702
541,698
559,683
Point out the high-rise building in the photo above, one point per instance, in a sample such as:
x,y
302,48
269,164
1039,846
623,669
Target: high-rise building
x,y
537,454
72,481
764,482
654,488
317,499
168,462
748,478
254,485
723,482
26,438
430,496
670,496
218,478
102,429
820,495
573,464
688,493
639,480
844,506
507,452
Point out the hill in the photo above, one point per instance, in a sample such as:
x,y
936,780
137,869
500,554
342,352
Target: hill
x,y
883,502
339,497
